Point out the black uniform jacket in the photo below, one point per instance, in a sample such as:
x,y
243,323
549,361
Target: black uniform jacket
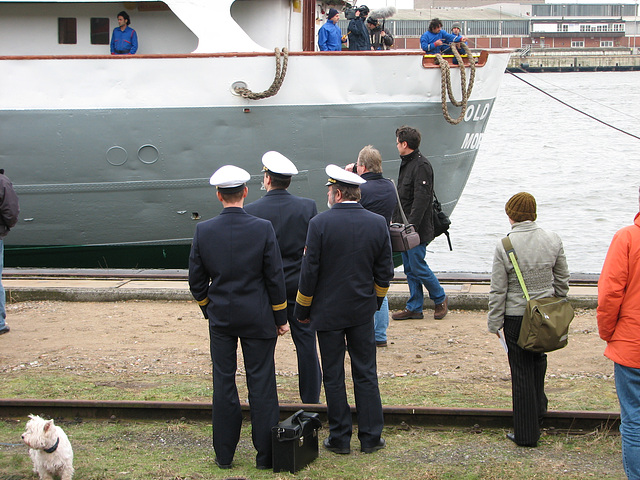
x,y
415,187
347,264
290,217
236,270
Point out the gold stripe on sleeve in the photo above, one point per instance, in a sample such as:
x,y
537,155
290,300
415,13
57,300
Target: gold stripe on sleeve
x,y
204,302
277,308
303,299
381,291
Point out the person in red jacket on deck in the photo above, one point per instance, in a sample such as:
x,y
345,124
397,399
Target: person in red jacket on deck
x,y
618,316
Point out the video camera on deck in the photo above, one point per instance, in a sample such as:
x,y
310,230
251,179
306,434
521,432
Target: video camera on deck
x,y
350,12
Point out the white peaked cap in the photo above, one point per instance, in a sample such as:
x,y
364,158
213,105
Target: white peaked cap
x,y
277,163
337,174
229,176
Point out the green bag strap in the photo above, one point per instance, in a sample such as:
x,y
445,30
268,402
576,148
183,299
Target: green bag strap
x,y
508,246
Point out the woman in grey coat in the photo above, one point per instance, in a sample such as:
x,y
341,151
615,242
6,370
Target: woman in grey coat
x,y
544,268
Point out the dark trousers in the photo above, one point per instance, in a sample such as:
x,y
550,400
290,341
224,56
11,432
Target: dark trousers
x,y
528,370
309,373
263,396
360,341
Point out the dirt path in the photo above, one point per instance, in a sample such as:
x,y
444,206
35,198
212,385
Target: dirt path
x,y
172,337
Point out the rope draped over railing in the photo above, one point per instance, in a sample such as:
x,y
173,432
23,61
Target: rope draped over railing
x,y
446,82
281,70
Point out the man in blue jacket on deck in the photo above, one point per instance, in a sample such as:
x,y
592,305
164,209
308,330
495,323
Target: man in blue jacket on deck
x,y
124,39
436,39
330,35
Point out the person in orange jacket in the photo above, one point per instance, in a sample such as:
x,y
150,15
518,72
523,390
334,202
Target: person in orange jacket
x,y
618,317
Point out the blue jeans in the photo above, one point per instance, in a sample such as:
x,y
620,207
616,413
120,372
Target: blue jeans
x,y
628,389
418,273
381,321
3,313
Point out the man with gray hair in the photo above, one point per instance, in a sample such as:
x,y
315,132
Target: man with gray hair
x,y
378,196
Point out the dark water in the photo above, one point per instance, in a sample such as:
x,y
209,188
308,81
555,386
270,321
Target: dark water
x,y
584,175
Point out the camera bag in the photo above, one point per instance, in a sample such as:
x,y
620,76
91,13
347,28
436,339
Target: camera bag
x,y
403,236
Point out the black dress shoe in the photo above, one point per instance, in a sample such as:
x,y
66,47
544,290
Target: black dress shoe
x,y
4,330
512,437
339,450
380,445
264,467
224,466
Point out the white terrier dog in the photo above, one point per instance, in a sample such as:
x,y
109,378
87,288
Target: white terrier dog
x,y
49,449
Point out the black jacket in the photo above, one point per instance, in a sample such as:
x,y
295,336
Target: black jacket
x,y
415,187
378,42
9,208
358,35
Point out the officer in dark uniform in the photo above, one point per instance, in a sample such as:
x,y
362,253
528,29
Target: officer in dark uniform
x,y
345,276
290,217
235,274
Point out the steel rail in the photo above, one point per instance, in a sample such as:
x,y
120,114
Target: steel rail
x,y
575,422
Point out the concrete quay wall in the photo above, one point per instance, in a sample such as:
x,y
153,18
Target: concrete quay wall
x,y
462,295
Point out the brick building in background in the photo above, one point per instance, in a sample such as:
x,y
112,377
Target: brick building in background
x,y
606,28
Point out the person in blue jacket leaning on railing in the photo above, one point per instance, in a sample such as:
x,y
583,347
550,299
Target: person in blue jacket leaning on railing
x,y
124,40
330,35
435,39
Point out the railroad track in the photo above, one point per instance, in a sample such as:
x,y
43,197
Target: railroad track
x,y
573,422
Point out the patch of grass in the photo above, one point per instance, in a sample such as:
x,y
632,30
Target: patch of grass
x,y
414,389
182,450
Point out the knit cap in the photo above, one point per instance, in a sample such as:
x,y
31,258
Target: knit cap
x,y
521,207
332,13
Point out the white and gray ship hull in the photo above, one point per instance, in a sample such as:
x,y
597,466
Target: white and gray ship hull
x,y
109,152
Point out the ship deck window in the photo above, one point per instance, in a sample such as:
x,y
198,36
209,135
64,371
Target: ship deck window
x,y
67,31
99,31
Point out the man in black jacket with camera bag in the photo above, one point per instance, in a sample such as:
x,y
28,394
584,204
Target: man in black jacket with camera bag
x,y
415,188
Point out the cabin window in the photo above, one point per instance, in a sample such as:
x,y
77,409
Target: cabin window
x,y
99,31
577,44
67,31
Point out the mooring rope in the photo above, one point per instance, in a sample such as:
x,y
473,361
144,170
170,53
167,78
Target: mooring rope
x,y
281,71
576,109
446,83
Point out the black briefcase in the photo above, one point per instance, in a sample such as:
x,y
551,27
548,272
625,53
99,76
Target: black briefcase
x,y
295,441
